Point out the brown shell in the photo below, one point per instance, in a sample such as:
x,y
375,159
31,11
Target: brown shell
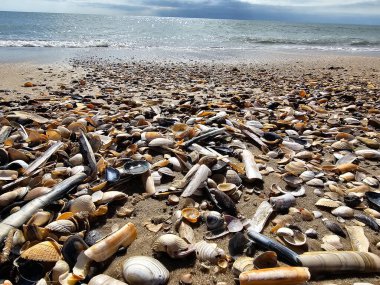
x,y
46,251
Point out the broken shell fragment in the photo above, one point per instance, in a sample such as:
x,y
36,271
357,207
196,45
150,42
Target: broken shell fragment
x,y
242,264
359,241
282,203
267,259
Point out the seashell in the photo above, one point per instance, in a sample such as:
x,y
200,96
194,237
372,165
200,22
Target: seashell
x,y
359,241
200,176
292,180
334,227
166,171
136,167
144,270
36,192
108,197
112,174
296,167
316,182
342,145
328,203
227,188
40,218
331,242
175,163
233,177
285,232
62,227
368,154
358,189
370,181
346,177
9,197
186,232
369,142
304,155
311,233
298,239
261,216
343,211
72,248
161,142
173,245
300,191
272,154
307,175
209,252
267,259
237,244
8,175
214,220
76,159
282,203
373,213
219,167
242,264
275,276
233,224
46,251
306,214
337,261
82,204
373,199
61,267
293,145
368,221
224,202
103,279
191,214
149,136
107,247
251,170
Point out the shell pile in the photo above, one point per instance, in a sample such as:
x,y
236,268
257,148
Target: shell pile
x,y
171,174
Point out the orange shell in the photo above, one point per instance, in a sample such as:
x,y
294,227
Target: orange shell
x,y
46,251
275,276
191,214
65,216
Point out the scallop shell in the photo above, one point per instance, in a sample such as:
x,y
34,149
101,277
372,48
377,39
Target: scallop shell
x,y
209,252
343,211
46,251
296,167
298,239
214,220
144,270
82,204
191,214
328,203
62,227
173,245
242,264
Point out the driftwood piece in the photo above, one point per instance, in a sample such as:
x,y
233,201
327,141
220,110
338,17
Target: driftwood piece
x,y
17,219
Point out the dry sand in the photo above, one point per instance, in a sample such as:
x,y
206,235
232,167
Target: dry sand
x,y
163,80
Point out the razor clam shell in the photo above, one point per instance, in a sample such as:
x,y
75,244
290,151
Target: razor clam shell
x,y
201,175
209,252
359,241
144,270
251,169
261,216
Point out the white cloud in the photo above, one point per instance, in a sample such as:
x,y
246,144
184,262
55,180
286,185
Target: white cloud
x,y
308,3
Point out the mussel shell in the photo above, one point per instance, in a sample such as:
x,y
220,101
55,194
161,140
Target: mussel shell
x,y
267,259
237,244
93,237
272,137
223,150
71,249
136,167
224,202
373,200
31,271
219,167
352,200
112,174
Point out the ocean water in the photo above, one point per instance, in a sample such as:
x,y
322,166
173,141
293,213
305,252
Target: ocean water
x,y
131,34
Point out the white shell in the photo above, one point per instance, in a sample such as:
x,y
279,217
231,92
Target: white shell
x,y
176,164
209,252
144,270
103,279
173,245
285,232
343,211
307,175
316,182
62,226
368,153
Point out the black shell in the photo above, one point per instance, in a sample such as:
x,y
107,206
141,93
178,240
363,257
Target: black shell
x,y
352,200
335,228
368,221
224,202
112,174
72,247
373,200
237,244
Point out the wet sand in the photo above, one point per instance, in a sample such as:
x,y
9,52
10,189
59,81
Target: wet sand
x,y
205,83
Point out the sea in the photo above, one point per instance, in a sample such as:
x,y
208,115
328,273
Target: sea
x,y
33,34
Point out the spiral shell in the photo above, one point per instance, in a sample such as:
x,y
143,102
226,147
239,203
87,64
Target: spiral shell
x,y
144,270
214,220
103,279
209,252
62,227
83,204
46,251
173,245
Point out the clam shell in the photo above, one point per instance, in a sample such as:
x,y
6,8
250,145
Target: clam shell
x,y
161,142
292,180
83,204
316,182
267,259
227,187
285,232
342,145
36,192
144,270
191,214
242,264
61,267
307,175
343,211
298,239
304,155
209,252
175,163
331,242
370,181
166,171
173,245
62,227
149,136
46,251
368,154
233,177
295,167
282,203
103,279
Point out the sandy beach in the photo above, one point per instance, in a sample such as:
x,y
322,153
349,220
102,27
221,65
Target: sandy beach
x,y
128,88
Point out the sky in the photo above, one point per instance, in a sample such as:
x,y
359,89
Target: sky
x,y
325,11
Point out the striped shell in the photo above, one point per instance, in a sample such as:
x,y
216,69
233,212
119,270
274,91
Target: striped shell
x,y
242,264
328,203
46,251
296,167
233,177
144,270
62,227
83,204
209,252
173,245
